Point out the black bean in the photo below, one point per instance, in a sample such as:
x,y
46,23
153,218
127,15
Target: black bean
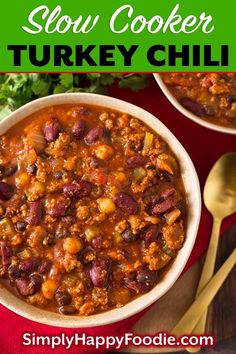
x,y
32,169
62,232
14,272
63,297
49,240
127,203
36,280
21,226
10,171
52,130
2,171
58,175
128,236
231,99
35,213
67,310
6,191
78,129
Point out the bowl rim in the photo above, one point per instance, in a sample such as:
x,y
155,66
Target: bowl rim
x,y
33,313
187,113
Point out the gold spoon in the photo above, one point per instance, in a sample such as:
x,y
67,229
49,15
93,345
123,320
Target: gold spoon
x,y
220,199
199,306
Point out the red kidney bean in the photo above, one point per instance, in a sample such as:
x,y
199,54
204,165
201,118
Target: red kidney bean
x,y
164,206
97,243
14,272
52,130
136,161
146,276
45,266
5,252
28,265
138,287
59,206
63,297
128,236
167,193
35,213
25,287
10,171
96,133
6,191
79,111
79,189
67,310
2,171
99,273
126,203
193,106
78,129
151,234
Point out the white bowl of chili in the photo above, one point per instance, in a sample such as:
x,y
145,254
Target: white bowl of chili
x,y
210,123
193,200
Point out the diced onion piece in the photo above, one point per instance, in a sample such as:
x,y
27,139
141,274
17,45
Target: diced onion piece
x,y
7,228
172,216
148,141
139,174
165,163
36,139
91,232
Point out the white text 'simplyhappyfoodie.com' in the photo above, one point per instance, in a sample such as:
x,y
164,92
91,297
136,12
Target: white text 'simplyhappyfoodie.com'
x,y
161,339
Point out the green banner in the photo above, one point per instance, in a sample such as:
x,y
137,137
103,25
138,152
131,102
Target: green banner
x,y
117,36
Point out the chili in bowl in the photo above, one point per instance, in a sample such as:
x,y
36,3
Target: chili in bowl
x,y
208,99
100,206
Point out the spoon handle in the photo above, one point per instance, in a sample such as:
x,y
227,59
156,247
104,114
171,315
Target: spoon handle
x,y
209,264
191,316
207,273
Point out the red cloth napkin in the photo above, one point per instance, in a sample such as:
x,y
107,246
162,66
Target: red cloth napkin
x,y
204,147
